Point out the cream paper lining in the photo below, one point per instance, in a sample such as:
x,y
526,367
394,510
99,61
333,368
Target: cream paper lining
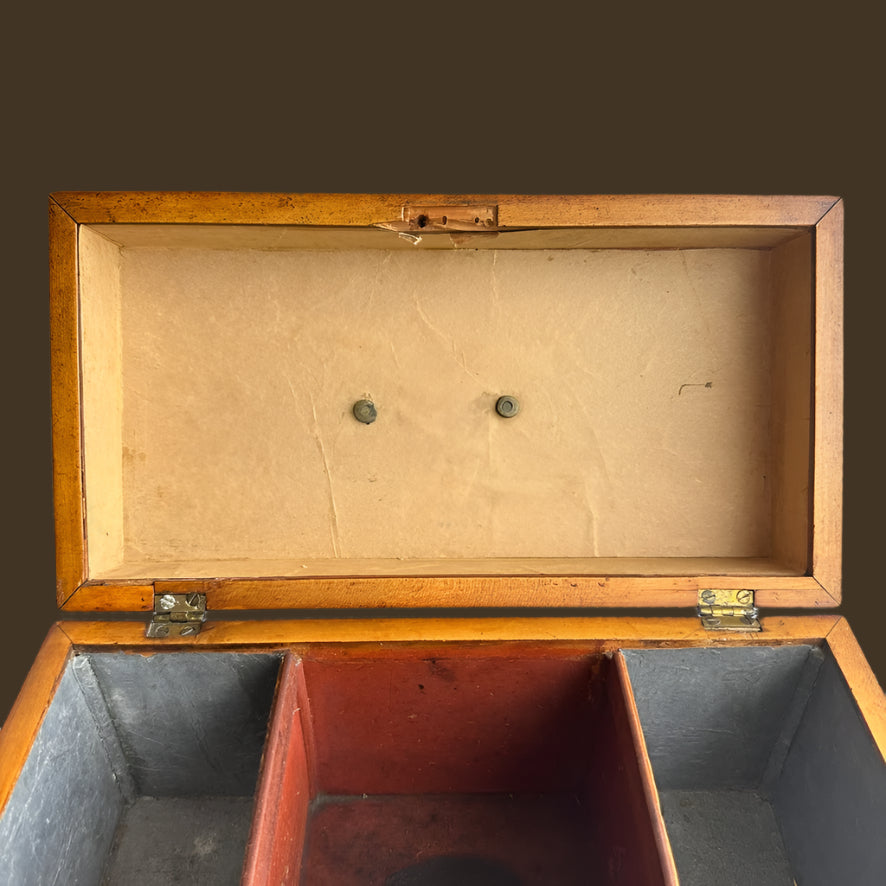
x,y
643,379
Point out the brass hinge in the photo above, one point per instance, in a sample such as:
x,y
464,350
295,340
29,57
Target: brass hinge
x,y
728,610
177,615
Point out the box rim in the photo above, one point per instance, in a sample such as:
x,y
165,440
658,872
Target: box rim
x,y
66,638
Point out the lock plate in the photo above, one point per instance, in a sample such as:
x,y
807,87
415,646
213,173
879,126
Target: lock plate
x,y
419,220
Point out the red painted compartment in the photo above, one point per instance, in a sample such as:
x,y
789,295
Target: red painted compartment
x,y
433,765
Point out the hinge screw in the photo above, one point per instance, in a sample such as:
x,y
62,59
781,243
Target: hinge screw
x,y
167,601
708,597
744,597
186,630
161,630
192,599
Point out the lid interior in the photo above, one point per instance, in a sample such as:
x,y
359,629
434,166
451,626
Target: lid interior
x,y
663,376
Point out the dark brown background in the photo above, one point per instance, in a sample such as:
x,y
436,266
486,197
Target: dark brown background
x,y
443,98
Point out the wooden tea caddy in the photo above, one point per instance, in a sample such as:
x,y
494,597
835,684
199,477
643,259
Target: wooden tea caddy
x,y
677,361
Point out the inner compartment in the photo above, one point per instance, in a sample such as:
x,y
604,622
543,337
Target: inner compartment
x,y
664,381
766,771
508,763
143,772
510,766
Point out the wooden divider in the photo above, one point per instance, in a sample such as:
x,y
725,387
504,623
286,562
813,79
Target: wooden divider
x,y
284,792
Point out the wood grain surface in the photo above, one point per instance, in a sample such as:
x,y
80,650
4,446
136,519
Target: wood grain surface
x,y
595,632
27,713
70,543
488,591
863,684
827,506
515,211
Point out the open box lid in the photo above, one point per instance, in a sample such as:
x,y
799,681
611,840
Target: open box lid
x,y
677,363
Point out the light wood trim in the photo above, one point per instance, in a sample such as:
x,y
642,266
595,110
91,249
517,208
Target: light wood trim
x,y
647,779
489,591
629,210
147,571
792,306
621,592
288,237
825,595
608,633
70,545
827,503
515,211
30,707
862,682
111,598
102,394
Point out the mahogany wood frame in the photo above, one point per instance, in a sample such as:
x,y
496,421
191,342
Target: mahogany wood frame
x,y
821,216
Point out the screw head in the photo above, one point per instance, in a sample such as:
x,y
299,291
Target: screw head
x,y
743,597
167,601
162,631
192,599
186,630
507,406
365,411
708,597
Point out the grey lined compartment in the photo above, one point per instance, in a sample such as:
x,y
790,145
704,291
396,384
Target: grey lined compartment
x,y
190,723
60,820
122,730
831,796
726,836
765,770
191,841
712,717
